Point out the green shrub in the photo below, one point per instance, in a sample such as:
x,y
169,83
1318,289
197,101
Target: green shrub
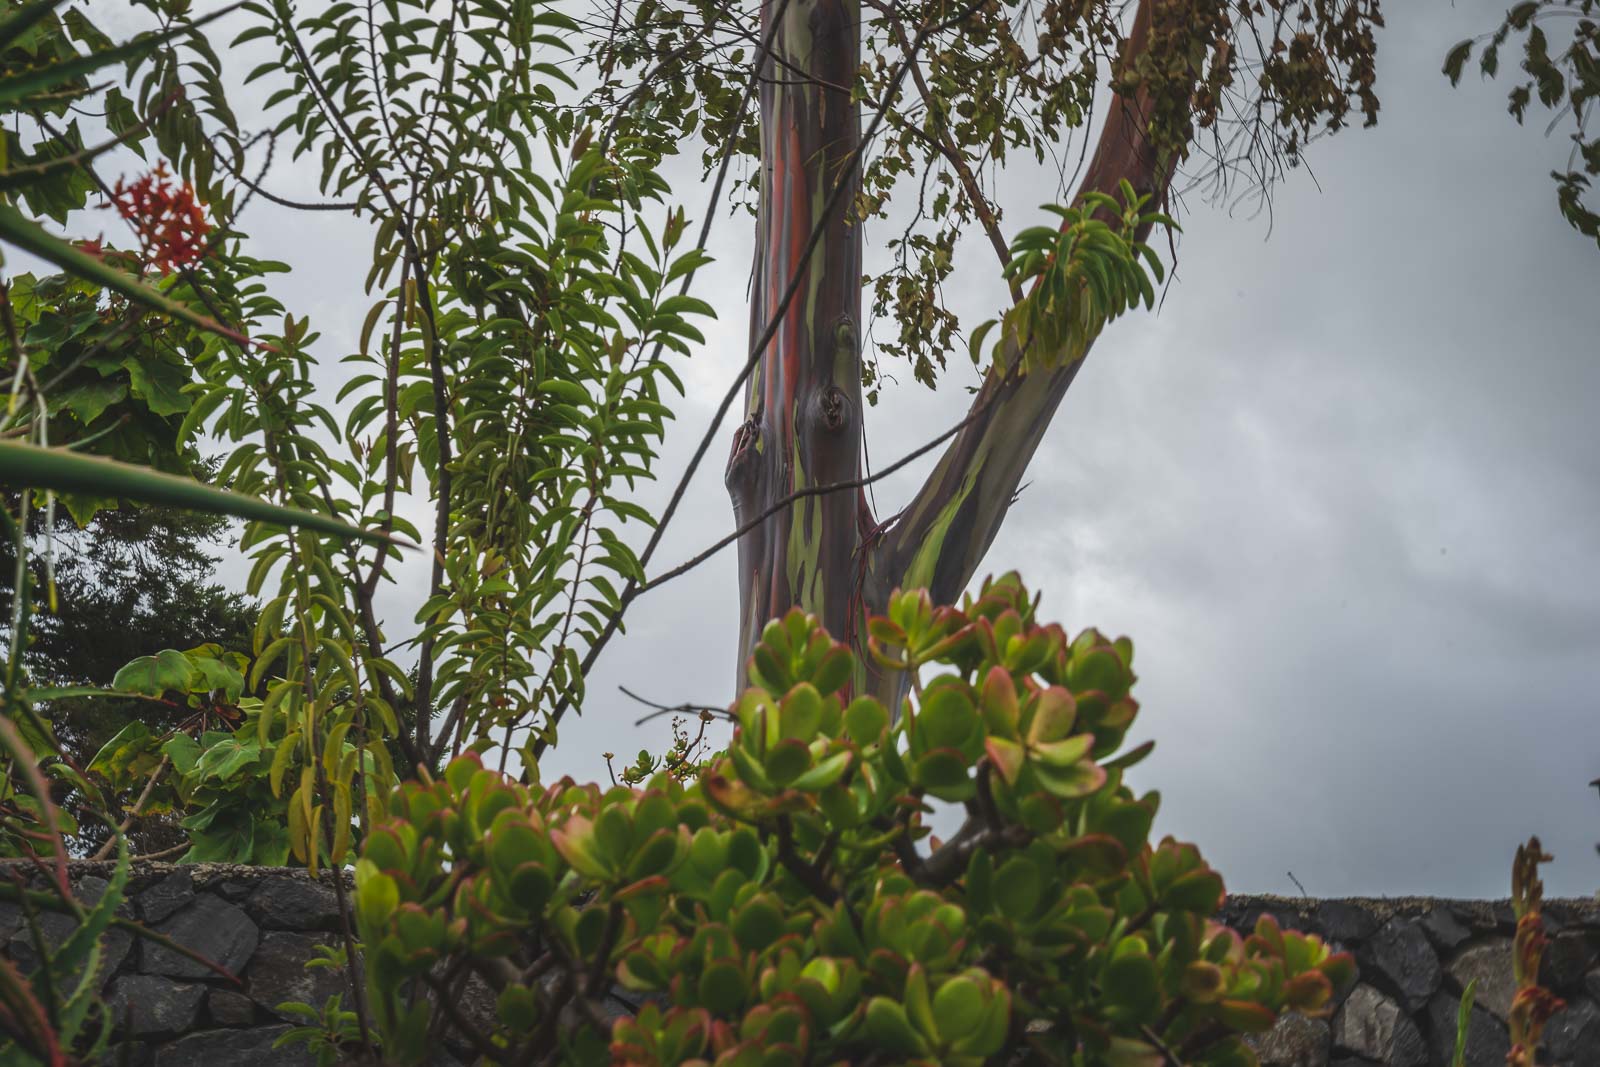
x,y
788,907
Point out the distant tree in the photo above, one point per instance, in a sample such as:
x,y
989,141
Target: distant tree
x,y
134,581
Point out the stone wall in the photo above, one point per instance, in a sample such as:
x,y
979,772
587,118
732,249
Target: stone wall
x,y
1415,957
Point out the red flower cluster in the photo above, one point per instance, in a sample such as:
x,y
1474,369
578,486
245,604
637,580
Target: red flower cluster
x,y
170,222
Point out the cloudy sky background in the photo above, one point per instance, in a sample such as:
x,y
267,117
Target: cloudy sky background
x,y
1343,491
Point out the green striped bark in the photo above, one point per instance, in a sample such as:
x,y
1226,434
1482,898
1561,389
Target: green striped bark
x,y
803,405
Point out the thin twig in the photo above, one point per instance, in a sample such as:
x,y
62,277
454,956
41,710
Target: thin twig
x,y
809,491
133,813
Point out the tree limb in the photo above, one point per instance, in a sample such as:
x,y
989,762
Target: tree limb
x,y
943,534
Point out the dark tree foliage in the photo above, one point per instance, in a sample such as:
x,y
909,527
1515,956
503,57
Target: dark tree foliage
x,y
135,581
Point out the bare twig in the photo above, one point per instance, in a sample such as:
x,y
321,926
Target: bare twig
x,y
133,813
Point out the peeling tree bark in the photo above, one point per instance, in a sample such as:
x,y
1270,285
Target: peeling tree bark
x,y
803,406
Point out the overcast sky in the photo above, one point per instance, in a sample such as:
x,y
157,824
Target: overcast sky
x,y
1343,491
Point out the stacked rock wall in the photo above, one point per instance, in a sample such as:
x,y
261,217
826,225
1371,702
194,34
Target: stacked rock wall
x,y
263,925
1415,957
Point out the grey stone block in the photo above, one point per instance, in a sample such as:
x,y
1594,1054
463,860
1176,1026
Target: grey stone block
x,y
1489,964
1400,959
233,1048
1444,929
278,973
227,1008
1373,1027
1487,1039
286,903
1344,922
217,930
1568,955
1294,1041
165,897
1572,1037
56,927
150,1005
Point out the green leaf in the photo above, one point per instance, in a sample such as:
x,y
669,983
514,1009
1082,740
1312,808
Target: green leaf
x,y
89,400
184,752
129,753
1463,1022
824,773
40,79
155,675
159,384
23,19
890,1030
758,924
1069,783
1017,886
226,758
943,773
787,760
865,720
230,840
722,987
958,1005
946,719
1198,891
1131,988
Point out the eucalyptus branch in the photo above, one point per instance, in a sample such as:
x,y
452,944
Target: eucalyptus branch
x,y
944,146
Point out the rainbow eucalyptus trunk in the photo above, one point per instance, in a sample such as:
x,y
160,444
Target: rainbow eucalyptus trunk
x,y
803,408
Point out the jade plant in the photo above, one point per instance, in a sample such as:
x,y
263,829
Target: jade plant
x,y
791,906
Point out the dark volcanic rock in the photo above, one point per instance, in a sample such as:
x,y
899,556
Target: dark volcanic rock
x,y
56,927
1572,1037
1489,964
1344,922
1566,958
228,1008
149,1005
285,903
1400,960
166,896
233,1048
1373,1027
130,1053
278,973
1294,1041
217,930
1487,1039
1444,929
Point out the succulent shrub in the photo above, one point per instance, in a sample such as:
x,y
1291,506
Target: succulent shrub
x,y
790,905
